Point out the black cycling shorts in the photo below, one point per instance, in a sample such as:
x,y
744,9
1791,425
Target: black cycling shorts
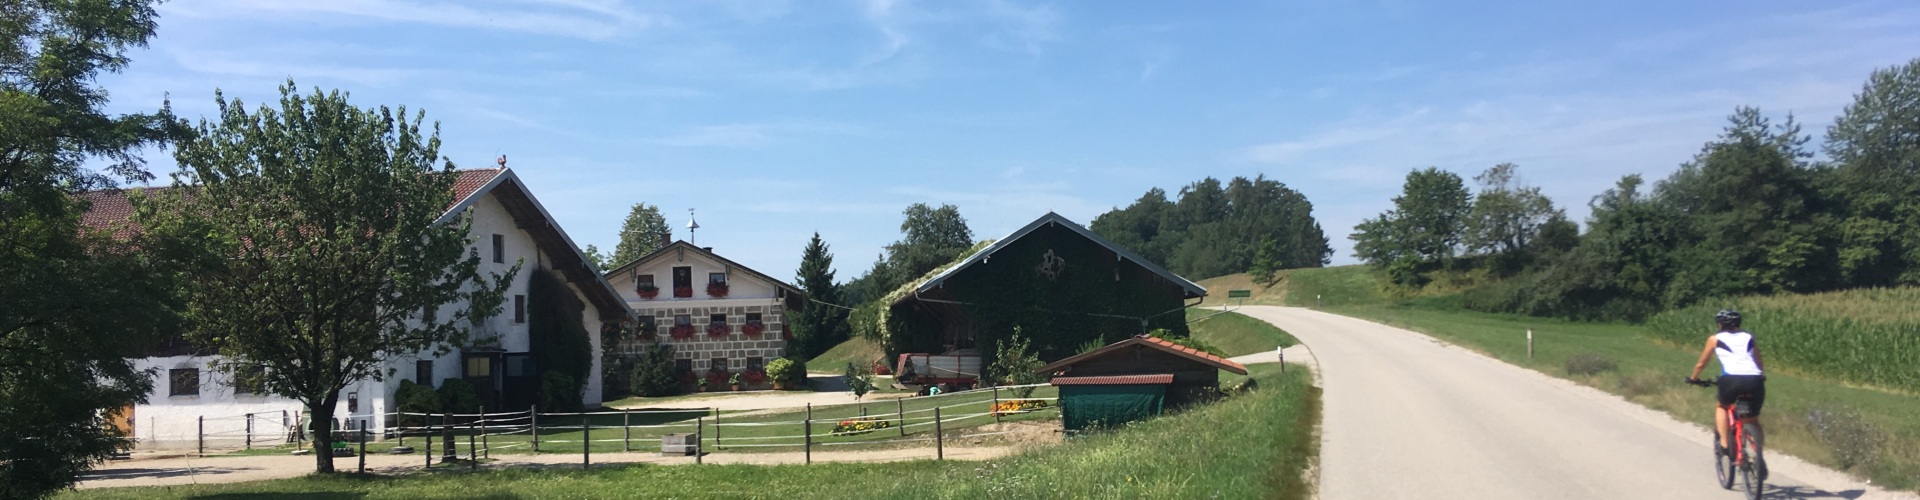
x,y
1754,387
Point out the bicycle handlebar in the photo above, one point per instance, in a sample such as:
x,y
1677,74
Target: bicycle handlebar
x,y
1703,383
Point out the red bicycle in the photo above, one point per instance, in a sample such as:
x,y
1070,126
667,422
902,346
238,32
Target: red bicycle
x,y
1744,458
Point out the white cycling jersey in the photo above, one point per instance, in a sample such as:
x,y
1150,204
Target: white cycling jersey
x,y
1735,350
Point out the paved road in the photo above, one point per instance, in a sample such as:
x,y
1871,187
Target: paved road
x,y
1409,417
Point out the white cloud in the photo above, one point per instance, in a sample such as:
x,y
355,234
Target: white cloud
x,y
589,19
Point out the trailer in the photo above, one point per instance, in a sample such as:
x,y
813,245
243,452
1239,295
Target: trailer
x,y
923,369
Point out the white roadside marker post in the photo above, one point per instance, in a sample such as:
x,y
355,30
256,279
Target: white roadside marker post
x,y
1529,344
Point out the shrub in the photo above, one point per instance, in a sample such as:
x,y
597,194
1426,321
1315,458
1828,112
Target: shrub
x,y
789,371
458,396
1853,441
559,392
652,372
415,398
1014,364
860,380
1588,363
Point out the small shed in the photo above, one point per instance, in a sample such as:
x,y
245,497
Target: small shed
x,y
1134,379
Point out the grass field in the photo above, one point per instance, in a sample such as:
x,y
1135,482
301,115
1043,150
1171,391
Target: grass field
x,y
1254,445
857,350
1866,336
1236,334
1881,443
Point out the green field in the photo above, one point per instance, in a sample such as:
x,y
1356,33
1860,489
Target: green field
x,y
857,350
1866,336
1254,445
1884,443
1236,334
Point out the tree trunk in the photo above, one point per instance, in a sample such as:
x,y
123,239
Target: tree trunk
x,y
322,422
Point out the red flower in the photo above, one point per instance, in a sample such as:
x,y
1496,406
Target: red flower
x,y
682,331
719,329
647,291
716,377
754,376
683,291
753,329
717,289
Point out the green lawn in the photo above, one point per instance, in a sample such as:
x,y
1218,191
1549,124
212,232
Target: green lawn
x,y
857,350
1236,334
1650,373
1331,286
1254,445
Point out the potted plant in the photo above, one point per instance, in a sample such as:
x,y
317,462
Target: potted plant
x,y
753,328
647,291
682,331
719,329
734,381
717,289
781,371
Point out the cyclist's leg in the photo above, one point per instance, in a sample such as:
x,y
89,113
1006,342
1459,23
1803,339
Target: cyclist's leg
x,y
1720,425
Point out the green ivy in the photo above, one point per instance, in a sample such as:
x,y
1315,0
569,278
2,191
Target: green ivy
x,y
558,340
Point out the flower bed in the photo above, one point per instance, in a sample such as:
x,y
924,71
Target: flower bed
x,y
716,379
1012,406
682,331
754,377
861,425
719,329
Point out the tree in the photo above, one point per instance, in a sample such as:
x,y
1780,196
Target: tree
x,y
322,250
1263,262
600,260
1216,230
1015,363
640,235
1426,224
859,380
819,326
1877,165
1507,217
74,304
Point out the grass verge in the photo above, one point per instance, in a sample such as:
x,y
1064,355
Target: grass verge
x,y
1255,445
1650,373
1237,334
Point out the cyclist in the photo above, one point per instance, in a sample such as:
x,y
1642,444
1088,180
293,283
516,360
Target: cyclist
x,y
1740,375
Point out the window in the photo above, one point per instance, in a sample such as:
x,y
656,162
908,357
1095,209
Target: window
x,y
643,281
250,380
682,320
519,365
479,366
183,382
645,327
717,364
499,248
717,319
682,282
423,372
519,308
754,364
720,278
754,319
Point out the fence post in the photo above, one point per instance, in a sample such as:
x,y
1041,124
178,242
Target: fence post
x,y
201,435
939,446
533,414
806,437
995,409
809,411
900,414
486,449
283,421
452,451
586,442
299,430
426,422
249,431
716,430
363,447
1529,344
699,423
626,430
473,453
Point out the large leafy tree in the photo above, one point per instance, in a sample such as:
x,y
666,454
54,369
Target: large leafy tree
x,y
1217,228
1508,216
640,235
822,324
1875,147
929,238
72,302
322,247
1427,223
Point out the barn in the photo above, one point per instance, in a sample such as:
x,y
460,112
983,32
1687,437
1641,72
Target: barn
x,y
1134,379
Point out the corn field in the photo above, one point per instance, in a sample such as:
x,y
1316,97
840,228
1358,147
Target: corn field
x,y
1864,336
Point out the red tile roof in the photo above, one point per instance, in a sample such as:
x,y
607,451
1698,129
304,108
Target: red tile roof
x,y
1194,352
1164,378
110,209
1196,355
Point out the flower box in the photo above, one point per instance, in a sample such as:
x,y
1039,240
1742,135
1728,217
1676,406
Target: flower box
x,y
681,331
717,290
719,329
753,329
683,292
647,292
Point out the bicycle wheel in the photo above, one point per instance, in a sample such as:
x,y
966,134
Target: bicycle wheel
x,y
1722,464
1750,471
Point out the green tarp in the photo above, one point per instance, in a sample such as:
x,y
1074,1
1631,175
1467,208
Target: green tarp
x,y
1092,406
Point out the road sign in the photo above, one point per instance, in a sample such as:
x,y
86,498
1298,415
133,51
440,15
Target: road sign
x,y
1239,294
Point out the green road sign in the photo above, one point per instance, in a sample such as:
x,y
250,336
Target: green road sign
x,y
1239,294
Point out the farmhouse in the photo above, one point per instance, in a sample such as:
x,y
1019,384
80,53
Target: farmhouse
x,y
509,226
720,318
1133,379
1058,283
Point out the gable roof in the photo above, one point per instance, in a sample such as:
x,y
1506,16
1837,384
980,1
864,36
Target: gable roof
x,y
1196,355
110,209
1192,289
796,298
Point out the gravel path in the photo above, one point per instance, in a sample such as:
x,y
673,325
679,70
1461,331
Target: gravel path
x,y
1408,416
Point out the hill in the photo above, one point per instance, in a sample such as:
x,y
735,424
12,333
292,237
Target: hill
x,y
1307,287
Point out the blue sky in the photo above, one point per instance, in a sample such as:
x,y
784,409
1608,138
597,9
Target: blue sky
x,y
779,118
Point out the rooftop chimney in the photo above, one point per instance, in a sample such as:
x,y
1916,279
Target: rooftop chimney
x,y
666,238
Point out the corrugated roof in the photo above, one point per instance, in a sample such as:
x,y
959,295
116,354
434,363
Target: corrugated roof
x,y
1142,340
1164,378
1192,289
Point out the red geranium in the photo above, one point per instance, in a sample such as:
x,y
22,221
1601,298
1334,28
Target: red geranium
x,y
754,376
683,291
647,291
753,329
682,331
687,378
719,329
717,289
716,378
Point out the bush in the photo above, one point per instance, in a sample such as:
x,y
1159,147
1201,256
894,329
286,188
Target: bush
x,y
1588,363
860,380
788,371
652,373
458,396
559,392
1853,441
415,398
1014,363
